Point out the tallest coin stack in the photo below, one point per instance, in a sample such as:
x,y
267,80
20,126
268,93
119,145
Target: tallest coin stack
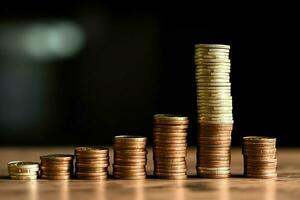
x,y
214,104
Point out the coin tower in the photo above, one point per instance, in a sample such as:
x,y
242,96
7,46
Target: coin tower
x,y
259,157
170,146
91,163
57,166
214,105
130,157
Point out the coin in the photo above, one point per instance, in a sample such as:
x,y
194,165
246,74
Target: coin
x,y
30,177
213,176
57,157
58,177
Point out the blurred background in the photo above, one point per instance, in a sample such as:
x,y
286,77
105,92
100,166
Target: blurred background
x,y
74,73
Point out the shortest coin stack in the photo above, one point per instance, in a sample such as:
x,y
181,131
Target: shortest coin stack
x,y
91,163
170,146
130,157
19,170
57,166
259,157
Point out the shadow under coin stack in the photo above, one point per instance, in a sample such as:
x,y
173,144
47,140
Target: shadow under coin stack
x,y
19,170
91,163
170,146
259,157
130,157
214,104
57,166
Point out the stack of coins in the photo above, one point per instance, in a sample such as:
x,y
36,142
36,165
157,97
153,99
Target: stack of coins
x,y
214,104
170,146
91,163
57,166
20,170
259,157
130,157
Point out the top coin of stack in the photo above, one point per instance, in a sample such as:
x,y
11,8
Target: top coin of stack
x,y
20,170
130,157
214,110
170,146
91,163
259,157
57,166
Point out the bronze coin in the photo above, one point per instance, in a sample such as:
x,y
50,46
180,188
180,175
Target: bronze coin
x,y
88,151
160,144
57,157
174,166
129,173
141,177
261,176
87,174
216,126
64,177
88,160
169,161
258,139
172,148
91,167
166,170
174,135
92,177
128,167
167,128
98,164
170,142
213,176
120,160
57,168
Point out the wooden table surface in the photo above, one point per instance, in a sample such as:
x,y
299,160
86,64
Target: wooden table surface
x,y
286,186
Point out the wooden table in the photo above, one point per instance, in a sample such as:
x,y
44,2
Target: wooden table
x,y
286,186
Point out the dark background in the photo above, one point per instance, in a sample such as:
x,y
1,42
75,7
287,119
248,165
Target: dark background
x,y
137,60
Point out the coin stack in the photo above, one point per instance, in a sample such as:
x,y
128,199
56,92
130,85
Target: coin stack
x,y
91,163
57,166
214,104
19,170
259,157
170,146
130,157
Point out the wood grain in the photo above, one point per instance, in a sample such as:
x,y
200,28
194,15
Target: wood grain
x,y
286,186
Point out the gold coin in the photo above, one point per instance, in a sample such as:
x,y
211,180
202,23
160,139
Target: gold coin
x,y
217,46
32,177
50,177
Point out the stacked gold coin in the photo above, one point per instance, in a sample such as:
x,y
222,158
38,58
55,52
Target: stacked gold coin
x,y
91,163
57,166
130,157
259,157
20,170
214,110
170,146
